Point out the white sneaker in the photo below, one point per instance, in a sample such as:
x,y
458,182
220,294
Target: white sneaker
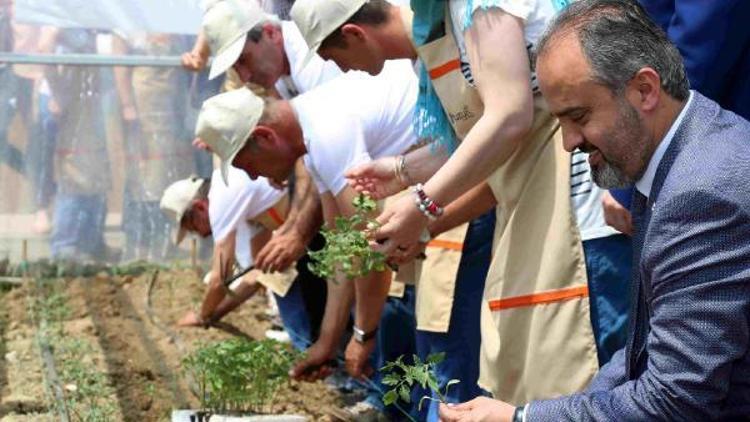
x,y
278,335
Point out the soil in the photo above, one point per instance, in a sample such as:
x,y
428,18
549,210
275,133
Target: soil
x,y
140,359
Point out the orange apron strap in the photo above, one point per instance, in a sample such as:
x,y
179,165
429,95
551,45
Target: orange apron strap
x,y
275,216
539,298
444,69
446,244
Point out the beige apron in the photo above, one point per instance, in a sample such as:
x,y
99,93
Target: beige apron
x,y
435,277
537,339
161,152
536,292
272,219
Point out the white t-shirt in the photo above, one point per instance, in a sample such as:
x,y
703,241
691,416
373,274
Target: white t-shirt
x,y
586,199
536,14
302,79
357,118
230,207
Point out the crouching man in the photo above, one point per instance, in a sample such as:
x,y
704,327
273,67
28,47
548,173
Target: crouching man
x,y
241,216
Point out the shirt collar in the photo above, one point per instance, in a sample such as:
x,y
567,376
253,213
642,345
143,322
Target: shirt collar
x,y
647,180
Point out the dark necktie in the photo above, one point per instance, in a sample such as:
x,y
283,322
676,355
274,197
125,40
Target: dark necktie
x,y
638,326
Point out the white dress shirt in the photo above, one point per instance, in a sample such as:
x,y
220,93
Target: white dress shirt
x,y
644,184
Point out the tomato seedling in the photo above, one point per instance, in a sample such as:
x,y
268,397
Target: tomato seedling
x,y
240,375
347,249
402,377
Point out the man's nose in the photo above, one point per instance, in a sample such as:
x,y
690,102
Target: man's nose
x,y
572,139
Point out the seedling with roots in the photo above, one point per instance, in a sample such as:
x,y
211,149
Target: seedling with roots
x,y
240,375
402,377
347,248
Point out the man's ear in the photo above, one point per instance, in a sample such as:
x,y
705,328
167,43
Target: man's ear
x,y
264,136
272,31
200,205
353,32
645,88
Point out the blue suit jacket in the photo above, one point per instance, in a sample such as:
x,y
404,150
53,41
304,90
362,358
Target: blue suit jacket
x,y
714,39
688,354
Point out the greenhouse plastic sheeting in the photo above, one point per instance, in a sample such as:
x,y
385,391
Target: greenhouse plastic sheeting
x,y
131,16
85,151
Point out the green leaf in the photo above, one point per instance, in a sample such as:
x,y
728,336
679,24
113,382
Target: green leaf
x,y
436,358
404,393
390,397
391,379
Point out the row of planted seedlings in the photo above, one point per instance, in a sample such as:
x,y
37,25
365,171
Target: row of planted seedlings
x,y
238,379
79,389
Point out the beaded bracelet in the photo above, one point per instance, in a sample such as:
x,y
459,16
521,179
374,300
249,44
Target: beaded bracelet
x,y
425,205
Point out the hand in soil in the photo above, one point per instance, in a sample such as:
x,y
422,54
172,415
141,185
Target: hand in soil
x,y
315,365
357,358
191,319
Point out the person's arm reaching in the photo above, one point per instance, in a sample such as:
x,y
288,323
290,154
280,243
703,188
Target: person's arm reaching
x,y
378,178
302,223
223,262
338,309
370,294
500,65
197,58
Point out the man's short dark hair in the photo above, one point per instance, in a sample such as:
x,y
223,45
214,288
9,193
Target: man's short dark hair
x,y
619,39
374,12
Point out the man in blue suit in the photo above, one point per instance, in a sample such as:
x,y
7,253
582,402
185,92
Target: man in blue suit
x,y
714,39
620,91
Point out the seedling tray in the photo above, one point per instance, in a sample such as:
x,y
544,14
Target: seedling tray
x,y
199,416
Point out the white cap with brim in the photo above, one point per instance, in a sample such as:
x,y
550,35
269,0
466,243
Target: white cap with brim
x,y
317,19
177,199
226,122
225,25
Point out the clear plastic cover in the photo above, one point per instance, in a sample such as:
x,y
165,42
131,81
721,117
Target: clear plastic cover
x,y
86,151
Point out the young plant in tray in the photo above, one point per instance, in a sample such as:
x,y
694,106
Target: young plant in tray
x,y
401,377
239,375
347,249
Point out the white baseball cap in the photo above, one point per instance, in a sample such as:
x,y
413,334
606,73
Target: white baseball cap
x,y
178,198
317,19
225,25
226,121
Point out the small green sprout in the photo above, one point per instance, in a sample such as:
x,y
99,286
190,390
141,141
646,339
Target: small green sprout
x,y
347,249
402,377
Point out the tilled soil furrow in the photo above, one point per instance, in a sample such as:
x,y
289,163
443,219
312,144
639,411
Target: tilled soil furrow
x,y
136,364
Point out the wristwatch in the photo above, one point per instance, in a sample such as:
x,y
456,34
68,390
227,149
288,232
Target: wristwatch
x,y
518,414
361,336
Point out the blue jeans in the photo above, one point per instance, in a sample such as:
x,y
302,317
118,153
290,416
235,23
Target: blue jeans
x,y
462,341
302,308
79,227
395,337
294,316
608,266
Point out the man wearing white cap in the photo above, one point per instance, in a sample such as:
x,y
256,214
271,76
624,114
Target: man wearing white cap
x,y
370,117
240,216
269,53
260,48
